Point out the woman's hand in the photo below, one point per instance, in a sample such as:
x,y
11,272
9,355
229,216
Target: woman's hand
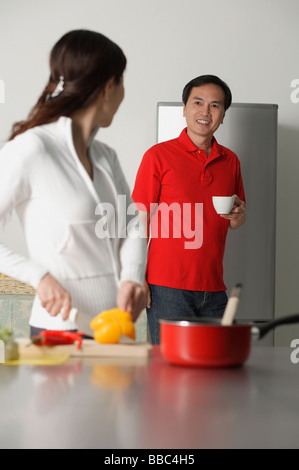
x,y
132,297
53,297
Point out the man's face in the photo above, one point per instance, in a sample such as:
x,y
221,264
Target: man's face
x,y
204,110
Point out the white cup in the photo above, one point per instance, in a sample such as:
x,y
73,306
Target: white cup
x,y
223,204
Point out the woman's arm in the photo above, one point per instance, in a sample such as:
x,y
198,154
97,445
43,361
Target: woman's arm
x,y
15,190
132,294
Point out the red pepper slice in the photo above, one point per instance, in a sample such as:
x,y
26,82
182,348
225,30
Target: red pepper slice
x,y
55,338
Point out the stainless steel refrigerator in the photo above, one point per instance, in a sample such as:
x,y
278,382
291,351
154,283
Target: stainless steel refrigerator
x,y
250,130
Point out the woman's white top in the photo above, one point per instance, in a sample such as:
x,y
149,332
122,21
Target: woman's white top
x,y
85,233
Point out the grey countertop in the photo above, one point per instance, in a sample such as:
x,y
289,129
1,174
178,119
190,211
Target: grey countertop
x,y
149,404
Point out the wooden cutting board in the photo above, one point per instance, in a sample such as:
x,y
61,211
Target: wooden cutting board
x,y
90,348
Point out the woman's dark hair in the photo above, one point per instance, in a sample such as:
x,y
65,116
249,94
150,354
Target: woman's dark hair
x,y
86,60
204,80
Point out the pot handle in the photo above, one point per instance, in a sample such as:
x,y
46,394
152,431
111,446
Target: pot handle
x,y
261,330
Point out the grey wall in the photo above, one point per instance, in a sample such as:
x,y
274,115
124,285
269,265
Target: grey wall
x,y
251,45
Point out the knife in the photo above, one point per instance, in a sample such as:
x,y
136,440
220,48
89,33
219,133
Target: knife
x,y
70,322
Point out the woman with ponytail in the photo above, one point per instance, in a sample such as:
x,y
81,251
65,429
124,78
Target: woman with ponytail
x,y
58,176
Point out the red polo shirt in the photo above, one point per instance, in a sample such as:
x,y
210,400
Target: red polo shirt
x,y
176,182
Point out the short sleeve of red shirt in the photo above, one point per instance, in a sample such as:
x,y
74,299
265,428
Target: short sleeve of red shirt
x,y
148,181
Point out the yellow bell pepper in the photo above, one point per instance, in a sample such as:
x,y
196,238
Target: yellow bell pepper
x,y
109,325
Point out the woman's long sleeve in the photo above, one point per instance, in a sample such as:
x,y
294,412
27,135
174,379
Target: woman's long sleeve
x,y
14,190
133,249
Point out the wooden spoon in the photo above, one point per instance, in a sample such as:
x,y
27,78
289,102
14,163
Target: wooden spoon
x,y
231,306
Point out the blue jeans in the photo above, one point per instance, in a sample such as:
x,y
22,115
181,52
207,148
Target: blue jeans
x,y
169,303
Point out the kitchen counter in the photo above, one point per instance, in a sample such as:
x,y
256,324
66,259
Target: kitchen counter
x,y
149,404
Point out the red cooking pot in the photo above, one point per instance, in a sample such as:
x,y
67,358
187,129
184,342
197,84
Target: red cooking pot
x,y
205,342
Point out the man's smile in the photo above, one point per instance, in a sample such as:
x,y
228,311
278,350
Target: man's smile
x,y
203,121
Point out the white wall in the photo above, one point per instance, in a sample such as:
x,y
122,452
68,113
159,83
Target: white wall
x,y
253,45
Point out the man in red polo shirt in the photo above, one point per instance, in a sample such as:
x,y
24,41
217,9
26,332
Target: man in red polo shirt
x,y
173,193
